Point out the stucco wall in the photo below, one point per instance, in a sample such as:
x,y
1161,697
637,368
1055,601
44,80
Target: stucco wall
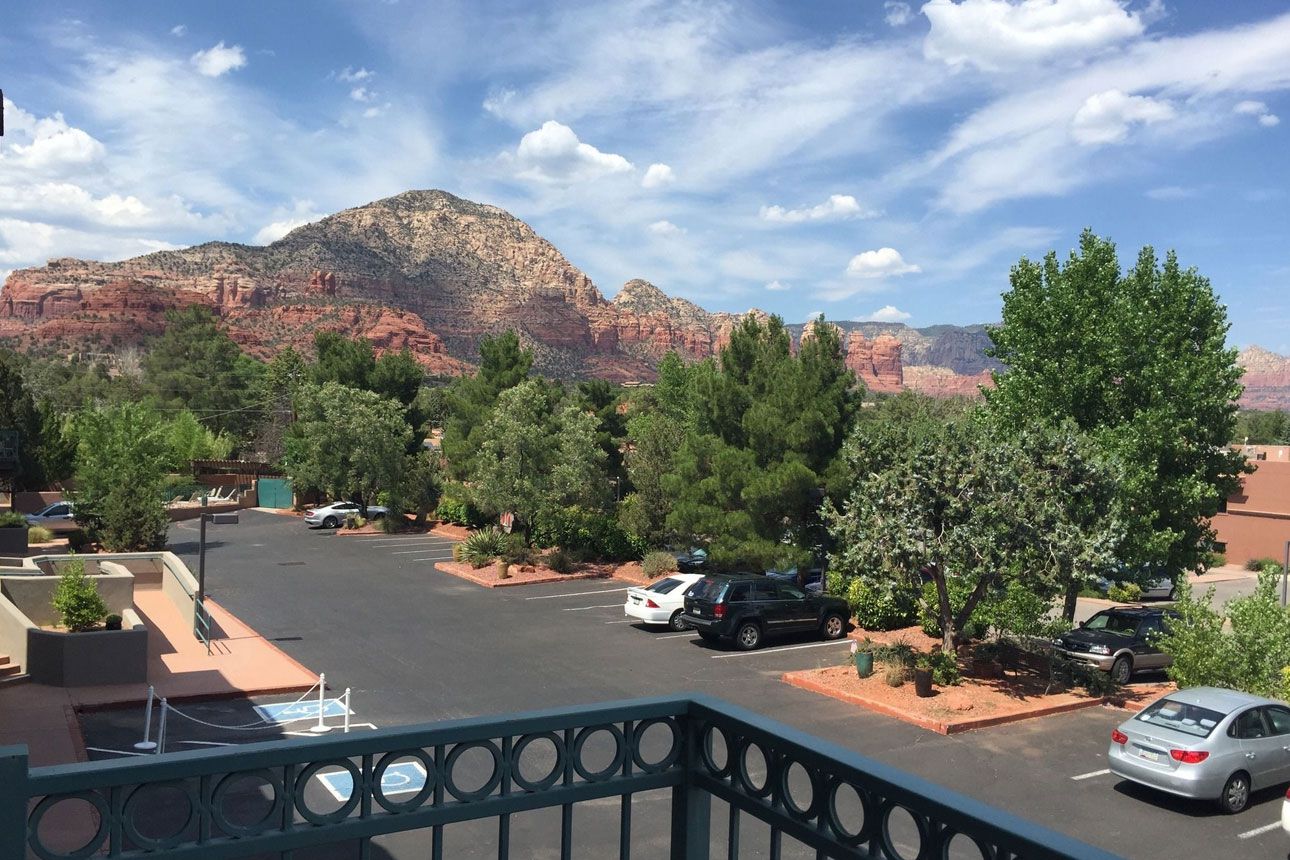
x,y
34,595
13,633
89,659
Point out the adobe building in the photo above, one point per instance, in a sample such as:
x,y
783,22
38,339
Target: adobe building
x,y
1255,522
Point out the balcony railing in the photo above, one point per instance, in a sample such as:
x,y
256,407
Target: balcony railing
x,y
195,804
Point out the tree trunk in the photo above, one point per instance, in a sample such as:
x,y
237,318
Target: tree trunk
x,y
946,613
1068,605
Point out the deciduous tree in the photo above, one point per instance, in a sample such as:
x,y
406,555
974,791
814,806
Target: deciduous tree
x,y
120,466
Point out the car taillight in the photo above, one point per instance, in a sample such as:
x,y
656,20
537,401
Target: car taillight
x,y
719,611
1119,737
651,604
1189,756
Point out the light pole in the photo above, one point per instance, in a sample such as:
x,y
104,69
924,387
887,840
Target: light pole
x,y
225,519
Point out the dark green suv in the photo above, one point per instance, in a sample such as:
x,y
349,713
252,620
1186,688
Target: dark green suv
x,y
747,609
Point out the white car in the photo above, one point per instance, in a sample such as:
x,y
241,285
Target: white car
x,y
56,517
331,516
662,602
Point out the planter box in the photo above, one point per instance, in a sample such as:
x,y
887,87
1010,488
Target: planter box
x,y
95,658
13,540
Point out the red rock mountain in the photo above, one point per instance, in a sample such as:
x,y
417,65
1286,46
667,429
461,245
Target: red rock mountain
x,y
432,272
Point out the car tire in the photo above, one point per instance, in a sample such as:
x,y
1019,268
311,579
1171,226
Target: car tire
x,y
1173,594
748,636
330,523
1236,793
833,627
708,637
677,621
1122,670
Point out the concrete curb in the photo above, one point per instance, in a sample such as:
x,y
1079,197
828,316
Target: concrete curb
x,y
506,583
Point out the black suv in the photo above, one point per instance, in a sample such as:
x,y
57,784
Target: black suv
x,y
750,608
1119,641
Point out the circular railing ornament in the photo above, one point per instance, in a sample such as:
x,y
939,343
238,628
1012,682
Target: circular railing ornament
x,y
94,799
557,769
131,808
418,799
218,796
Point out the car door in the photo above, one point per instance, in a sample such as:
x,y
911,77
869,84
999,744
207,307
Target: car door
x,y
1278,720
1146,653
768,605
1264,756
799,609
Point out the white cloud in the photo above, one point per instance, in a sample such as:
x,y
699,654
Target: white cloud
x,y
553,154
882,263
887,314
665,228
218,60
375,111
350,75
1253,108
776,286
361,94
1107,117
838,207
996,34
1171,192
300,213
658,175
1268,120
897,14
178,30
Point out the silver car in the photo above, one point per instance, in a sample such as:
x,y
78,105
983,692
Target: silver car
x,y
1206,743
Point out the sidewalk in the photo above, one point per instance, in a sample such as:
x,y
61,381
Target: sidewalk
x,y
241,663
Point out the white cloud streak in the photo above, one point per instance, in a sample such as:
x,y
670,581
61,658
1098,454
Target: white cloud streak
x,y
219,60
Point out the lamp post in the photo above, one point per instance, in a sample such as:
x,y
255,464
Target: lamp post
x,y
225,519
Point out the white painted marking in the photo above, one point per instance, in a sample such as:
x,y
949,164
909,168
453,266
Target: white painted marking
x,y
117,752
585,608
396,537
1092,773
577,593
411,552
690,634
1259,831
403,542
777,650
628,621
432,558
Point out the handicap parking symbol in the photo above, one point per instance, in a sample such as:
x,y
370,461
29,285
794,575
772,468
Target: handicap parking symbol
x,y
399,778
286,712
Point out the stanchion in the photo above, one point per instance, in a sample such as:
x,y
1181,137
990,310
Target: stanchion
x,y
321,727
147,745
347,710
161,730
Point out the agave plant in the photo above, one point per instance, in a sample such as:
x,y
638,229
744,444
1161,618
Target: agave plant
x,y
482,547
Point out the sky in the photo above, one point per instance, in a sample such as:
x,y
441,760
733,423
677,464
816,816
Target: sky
x,y
864,159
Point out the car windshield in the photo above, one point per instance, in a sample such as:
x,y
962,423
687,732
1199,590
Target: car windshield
x,y
1113,622
709,588
1181,717
664,586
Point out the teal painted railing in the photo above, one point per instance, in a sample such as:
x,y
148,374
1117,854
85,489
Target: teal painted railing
x,y
702,750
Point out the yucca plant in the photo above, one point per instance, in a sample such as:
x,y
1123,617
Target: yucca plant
x,y
482,547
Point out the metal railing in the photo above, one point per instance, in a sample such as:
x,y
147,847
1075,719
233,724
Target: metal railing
x,y
832,800
202,622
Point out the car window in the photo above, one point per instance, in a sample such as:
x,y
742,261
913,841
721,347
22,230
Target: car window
x,y
709,588
664,586
1249,725
1181,717
791,592
1278,719
1149,628
55,511
764,591
1113,622
740,593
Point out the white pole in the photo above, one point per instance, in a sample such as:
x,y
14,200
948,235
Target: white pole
x,y
147,745
347,710
161,730
321,727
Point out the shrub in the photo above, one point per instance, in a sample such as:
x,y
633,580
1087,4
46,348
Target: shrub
x,y
12,520
76,599
588,533
559,561
482,547
1216,559
896,654
881,605
945,669
354,522
1257,564
112,622
392,523
658,563
518,552
78,540
39,534
894,675
458,512
1127,592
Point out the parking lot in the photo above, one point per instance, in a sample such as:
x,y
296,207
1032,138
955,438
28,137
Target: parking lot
x,y
417,645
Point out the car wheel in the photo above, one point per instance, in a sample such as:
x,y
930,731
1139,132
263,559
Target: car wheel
x,y
1173,593
677,621
1121,670
708,637
330,523
1236,793
748,636
833,627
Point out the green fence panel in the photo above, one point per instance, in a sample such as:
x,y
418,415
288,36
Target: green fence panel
x,y
275,493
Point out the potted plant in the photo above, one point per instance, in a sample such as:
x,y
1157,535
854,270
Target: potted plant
x,y
13,534
862,657
923,675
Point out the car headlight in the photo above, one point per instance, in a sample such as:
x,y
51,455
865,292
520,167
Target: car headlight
x,y
1099,649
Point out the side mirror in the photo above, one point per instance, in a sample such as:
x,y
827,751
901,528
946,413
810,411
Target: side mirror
x,y
1081,624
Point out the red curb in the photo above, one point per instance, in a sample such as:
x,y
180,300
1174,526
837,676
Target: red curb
x,y
506,583
804,681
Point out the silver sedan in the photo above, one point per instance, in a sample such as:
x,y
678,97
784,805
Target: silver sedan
x,y
1206,743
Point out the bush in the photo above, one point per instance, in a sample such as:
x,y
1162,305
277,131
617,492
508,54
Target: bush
x,y
881,605
39,534
658,563
392,523
518,552
588,533
896,654
1216,559
354,521
1127,592
12,520
458,512
76,599
482,547
945,669
1257,564
559,561
78,540
895,675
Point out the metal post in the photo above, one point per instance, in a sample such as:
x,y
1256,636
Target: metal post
x,y
161,730
13,801
347,710
145,744
201,554
691,806
321,727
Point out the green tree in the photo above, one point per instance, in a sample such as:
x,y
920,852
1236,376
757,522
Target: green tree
x,y
347,443
195,365
1255,427
343,360
120,469
187,439
76,598
534,459
422,484
398,376
653,437
18,411
1139,362
604,400
503,365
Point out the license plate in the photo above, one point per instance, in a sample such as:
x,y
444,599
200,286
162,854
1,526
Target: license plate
x,y
1149,755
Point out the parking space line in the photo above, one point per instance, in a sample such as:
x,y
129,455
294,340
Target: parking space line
x,y
577,593
433,558
1259,831
690,633
585,608
408,542
410,552
1092,773
626,621
777,650
380,538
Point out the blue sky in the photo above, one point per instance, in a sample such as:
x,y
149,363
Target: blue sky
x,y
860,158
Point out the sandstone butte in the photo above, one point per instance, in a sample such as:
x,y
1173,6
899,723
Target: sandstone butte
x,y
431,272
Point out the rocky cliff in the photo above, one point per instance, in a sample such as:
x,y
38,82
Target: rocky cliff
x,y
433,273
